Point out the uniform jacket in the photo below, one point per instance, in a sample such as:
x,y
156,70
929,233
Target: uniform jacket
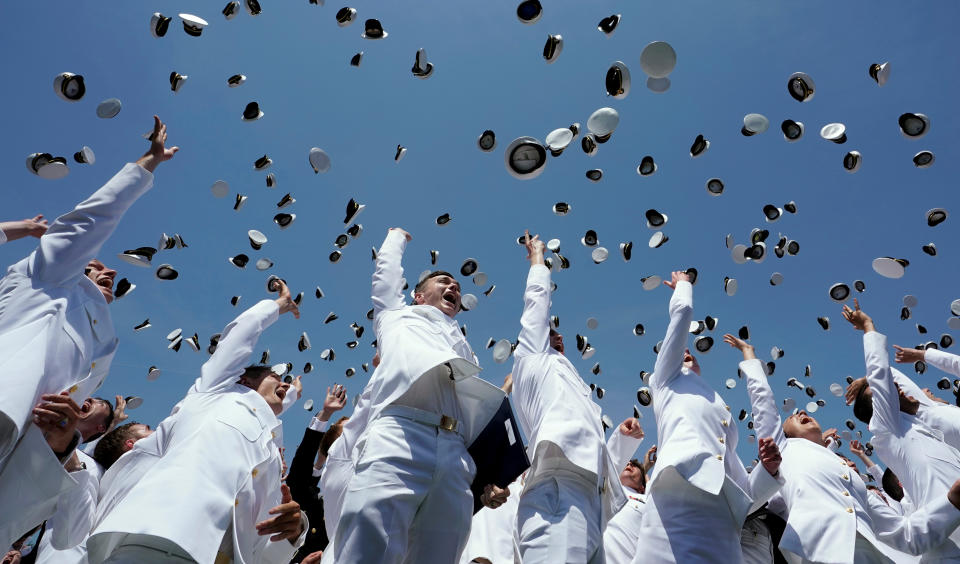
x,y
926,466
215,458
827,503
553,403
696,432
56,335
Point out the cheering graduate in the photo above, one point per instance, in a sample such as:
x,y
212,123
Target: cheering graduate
x,y
571,490
830,515
205,486
57,336
700,493
927,467
410,496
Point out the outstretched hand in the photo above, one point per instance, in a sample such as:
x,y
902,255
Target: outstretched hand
x,y
631,428
746,348
908,356
35,226
860,320
676,276
769,456
285,301
157,153
534,247
334,402
287,523
406,235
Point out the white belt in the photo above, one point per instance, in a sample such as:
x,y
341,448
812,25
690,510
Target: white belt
x,y
444,422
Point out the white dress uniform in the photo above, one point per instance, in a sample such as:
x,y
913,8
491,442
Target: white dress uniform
x,y
700,493
493,531
56,335
64,537
409,497
622,533
831,516
939,416
572,487
196,487
927,467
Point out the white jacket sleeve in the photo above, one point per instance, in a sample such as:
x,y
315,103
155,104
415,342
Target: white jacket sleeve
x,y
886,399
622,448
920,531
535,321
766,418
949,363
910,387
77,236
235,347
387,290
670,357
76,509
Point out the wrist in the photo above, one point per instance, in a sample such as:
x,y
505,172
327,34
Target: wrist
x,y
868,326
325,415
147,162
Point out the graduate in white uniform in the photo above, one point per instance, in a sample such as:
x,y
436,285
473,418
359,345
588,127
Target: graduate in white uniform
x,y
622,535
830,515
205,486
927,467
935,413
57,336
700,493
571,489
410,498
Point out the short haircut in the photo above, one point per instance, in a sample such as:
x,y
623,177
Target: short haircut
x,y
256,372
433,274
863,406
106,422
891,484
332,434
643,472
111,446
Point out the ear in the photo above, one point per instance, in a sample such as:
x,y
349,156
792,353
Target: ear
x,y
418,298
101,428
128,444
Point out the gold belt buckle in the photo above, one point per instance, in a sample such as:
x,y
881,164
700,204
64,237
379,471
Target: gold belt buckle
x,y
448,423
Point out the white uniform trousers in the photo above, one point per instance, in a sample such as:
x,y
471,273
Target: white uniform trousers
x,y
686,525
409,499
148,550
863,553
755,542
558,520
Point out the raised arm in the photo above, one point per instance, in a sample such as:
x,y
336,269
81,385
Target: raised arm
x,y
922,530
387,291
910,387
949,363
886,398
238,340
535,321
624,441
13,230
670,357
766,418
77,236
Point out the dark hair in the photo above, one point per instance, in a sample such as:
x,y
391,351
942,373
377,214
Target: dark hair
x,y
643,472
332,434
254,373
111,446
863,406
891,484
433,274
106,422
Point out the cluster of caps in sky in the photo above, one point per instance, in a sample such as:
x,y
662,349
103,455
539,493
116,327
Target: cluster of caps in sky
x,y
525,158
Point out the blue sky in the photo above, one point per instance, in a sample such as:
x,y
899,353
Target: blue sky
x,y
734,58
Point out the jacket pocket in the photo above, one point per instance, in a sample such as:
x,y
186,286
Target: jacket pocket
x,y
243,422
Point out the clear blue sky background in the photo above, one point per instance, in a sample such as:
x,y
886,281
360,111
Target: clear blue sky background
x,y
733,58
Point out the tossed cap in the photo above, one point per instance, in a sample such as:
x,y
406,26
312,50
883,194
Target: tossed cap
x,y
346,16
626,250
193,25
177,81
914,126
123,288
257,239
700,146
658,59
109,108
609,24
525,158
501,351
487,141
647,166
594,174
729,285
236,80
353,210
468,302
754,124
231,10
85,156
319,160
166,272
650,282
880,72
801,87
422,68
159,24
599,254
529,11
372,29
552,48
561,208
889,267
141,256
617,82
836,132
644,397
468,267
852,161
839,292
603,122
936,216
253,7
443,219
655,219
923,159
558,140
715,187
252,112
589,144
69,86
284,220
824,323
263,263
658,85
356,58
792,130
657,240
240,261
